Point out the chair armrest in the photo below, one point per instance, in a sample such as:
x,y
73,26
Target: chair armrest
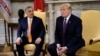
x,y
94,40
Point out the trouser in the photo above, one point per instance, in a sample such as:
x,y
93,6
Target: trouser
x,y
52,50
20,48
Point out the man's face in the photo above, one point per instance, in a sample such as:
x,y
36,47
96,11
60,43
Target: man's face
x,y
65,11
29,12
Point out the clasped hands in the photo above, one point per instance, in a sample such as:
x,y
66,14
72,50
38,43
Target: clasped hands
x,y
60,50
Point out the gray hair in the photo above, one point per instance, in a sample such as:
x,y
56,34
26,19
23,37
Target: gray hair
x,y
28,7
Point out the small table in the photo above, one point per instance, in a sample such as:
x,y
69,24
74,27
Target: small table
x,y
11,27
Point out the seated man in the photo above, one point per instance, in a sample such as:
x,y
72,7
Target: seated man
x,y
30,31
68,33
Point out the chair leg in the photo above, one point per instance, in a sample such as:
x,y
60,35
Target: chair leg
x,y
14,51
26,52
44,51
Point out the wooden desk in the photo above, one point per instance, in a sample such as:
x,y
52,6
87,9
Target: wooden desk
x,y
11,27
9,31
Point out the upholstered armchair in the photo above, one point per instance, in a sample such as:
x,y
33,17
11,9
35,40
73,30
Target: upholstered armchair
x,y
91,33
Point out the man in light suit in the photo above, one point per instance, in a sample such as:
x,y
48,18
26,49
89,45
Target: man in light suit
x,y
37,32
68,33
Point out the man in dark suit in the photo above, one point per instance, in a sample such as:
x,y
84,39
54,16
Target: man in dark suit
x,y
37,32
68,33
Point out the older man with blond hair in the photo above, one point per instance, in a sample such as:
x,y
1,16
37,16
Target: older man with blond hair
x,y
68,33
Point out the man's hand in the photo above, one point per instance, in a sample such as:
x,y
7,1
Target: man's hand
x,y
58,49
38,40
63,49
18,41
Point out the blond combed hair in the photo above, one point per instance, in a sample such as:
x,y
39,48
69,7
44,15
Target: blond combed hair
x,y
67,5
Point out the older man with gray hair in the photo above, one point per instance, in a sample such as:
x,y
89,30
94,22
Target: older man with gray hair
x,y
31,30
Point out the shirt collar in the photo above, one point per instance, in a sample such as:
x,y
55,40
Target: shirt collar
x,y
30,19
67,18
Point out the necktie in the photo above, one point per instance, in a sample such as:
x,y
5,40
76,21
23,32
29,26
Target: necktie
x,y
64,29
29,31
64,26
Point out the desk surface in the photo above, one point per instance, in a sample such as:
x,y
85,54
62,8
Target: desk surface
x,y
13,25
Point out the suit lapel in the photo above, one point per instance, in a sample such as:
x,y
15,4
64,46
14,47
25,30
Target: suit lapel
x,y
33,23
61,24
69,23
26,22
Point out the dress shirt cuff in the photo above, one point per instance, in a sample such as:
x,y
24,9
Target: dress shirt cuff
x,y
66,47
18,37
58,45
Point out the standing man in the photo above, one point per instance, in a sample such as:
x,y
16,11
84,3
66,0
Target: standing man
x,y
68,33
30,30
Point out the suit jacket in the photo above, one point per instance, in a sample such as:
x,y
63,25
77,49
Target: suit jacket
x,y
37,29
73,33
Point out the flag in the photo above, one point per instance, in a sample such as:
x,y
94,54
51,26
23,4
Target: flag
x,y
39,10
39,5
5,9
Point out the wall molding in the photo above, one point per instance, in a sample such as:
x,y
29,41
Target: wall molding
x,y
71,1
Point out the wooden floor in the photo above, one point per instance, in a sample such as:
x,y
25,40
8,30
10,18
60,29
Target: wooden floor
x,y
11,54
6,51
